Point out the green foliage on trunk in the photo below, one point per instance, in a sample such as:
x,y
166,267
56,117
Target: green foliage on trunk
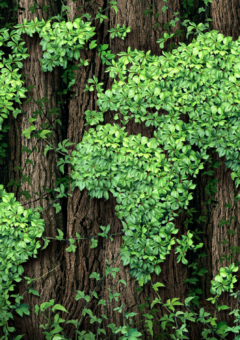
x,y
150,178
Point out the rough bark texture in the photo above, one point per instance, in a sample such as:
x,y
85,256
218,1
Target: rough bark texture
x,y
225,16
43,172
83,215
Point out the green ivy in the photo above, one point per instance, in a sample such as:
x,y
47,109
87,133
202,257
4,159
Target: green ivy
x,y
150,178
19,229
12,89
200,79
61,41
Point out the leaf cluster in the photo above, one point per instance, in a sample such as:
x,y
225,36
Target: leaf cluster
x,y
61,41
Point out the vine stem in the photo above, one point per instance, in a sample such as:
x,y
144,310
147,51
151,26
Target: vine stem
x,y
85,303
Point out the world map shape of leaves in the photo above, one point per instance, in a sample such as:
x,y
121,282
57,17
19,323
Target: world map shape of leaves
x,y
200,79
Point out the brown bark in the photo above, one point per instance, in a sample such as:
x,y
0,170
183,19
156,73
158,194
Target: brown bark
x,y
225,16
213,234
83,215
43,172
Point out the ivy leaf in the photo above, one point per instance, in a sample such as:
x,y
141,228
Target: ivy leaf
x,y
92,44
43,134
23,309
46,242
115,9
94,243
60,237
58,207
59,307
34,292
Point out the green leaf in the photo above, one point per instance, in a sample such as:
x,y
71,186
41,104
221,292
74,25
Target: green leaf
x,y
45,133
157,270
34,292
58,207
60,237
36,309
46,305
19,337
158,284
46,242
23,309
92,44
122,281
115,8
59,307
94,243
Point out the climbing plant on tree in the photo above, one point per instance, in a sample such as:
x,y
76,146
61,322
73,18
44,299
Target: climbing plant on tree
x,y
150,178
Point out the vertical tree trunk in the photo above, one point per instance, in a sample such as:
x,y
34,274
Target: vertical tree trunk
x,y
225,16
43,172
85,215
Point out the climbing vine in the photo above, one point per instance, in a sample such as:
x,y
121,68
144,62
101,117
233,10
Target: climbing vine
x,y
150,178
149,185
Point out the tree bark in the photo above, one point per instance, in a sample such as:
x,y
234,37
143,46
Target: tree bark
x,y
43,172
84,215
225,18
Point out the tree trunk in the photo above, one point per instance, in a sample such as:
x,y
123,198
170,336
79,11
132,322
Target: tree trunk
x,y
225,16
84,215
44,172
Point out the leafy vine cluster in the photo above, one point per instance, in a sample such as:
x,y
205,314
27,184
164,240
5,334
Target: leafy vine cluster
x,y
148,177
200,80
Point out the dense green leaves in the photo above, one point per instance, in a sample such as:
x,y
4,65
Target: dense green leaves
x,y
135,171
11,89
150,178
19,229
61,41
